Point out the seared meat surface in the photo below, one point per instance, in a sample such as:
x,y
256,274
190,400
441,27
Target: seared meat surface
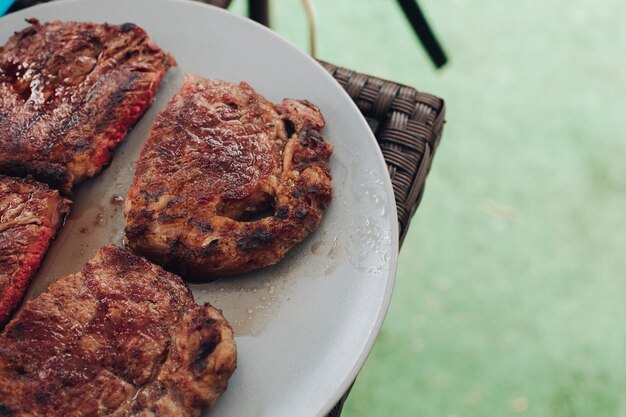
x,y
30,214
69,92
122,338
218,154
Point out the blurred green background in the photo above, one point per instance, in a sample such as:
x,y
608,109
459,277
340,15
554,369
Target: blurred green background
x,y
511,284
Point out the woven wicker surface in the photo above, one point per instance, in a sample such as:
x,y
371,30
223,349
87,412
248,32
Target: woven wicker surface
x,y
407,125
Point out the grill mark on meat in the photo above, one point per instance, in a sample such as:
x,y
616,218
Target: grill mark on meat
x,y
207,346
151,196
282,212
115,100
166,218
173,201
72,91
202,226
227,182
136,230
133,343
257,239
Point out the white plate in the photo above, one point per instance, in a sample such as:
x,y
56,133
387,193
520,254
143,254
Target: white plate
x,y
304,327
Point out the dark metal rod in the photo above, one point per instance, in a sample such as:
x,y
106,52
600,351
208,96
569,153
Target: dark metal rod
x,y
423,31
259,11
22,4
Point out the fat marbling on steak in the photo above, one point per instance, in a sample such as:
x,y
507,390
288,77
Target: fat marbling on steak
x,y
69,92
30,214
121,338
218,154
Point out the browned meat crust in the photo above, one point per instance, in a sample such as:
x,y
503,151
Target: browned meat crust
x,y
122,338
30,214
69,92
216,154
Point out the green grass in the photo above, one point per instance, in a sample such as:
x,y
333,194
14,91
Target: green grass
x,y
511,284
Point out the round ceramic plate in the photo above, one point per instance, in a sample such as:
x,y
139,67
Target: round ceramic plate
x,y
303,327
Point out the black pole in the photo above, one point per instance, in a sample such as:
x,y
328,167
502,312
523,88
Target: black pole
x,y
22,4
424,33
259,11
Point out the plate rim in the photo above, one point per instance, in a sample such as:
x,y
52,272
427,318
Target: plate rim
x,y
358,362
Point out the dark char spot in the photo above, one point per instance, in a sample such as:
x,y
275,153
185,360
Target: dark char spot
x,y
5,411
173,244
289,127
210,249
282,212
165,218
297,194
42,398
136,230
207,346
173,201
151,197
258,239
146,214
310,138
131,53
201,226
127,27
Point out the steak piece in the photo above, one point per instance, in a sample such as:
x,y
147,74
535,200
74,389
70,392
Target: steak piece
x,y
218,154
30,214
122,338
69,92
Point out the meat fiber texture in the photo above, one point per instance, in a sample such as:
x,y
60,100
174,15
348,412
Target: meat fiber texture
x,y
121,338
228,182
69,92
30,214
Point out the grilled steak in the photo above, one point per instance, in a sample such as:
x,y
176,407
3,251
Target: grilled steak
x,y
69,92
30,214
216,155
122,338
